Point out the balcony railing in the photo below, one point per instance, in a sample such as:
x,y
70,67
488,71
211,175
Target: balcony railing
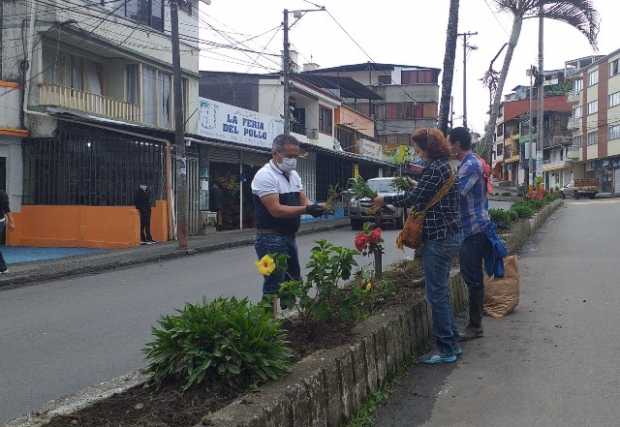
x,y
61,96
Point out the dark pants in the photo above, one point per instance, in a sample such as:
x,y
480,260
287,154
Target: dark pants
x,y
437,258
3,265
145,225
473,251
278,244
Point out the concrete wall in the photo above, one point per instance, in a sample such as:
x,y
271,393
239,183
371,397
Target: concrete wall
x,y
11,149
406,93
85,226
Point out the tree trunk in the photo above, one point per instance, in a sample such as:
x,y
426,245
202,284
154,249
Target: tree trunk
x,y
517,24
448,65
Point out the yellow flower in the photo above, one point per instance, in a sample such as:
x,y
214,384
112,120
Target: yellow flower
x,y
368,286
266,265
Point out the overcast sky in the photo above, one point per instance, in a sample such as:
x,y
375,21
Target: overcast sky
x,y
398,31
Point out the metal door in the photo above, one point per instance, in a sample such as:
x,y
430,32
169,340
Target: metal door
x,y
617,181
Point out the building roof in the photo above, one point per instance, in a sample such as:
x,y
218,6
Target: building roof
x,y
364,66
348,87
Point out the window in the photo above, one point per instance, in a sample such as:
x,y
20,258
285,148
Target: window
x,y
614,132
500,149
577,141
325,120
593,78
133,95
592,107
416,76
614,68
500,130
165,100
149,91
578,86
385,79
592,138
614,99
577,112
147,12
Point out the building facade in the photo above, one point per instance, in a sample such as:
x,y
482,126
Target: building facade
x,y
595,120
408,98
95,83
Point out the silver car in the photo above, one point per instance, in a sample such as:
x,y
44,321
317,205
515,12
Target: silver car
x,y
359,209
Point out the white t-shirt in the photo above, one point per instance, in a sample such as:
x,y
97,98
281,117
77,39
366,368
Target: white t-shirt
x,y
271,180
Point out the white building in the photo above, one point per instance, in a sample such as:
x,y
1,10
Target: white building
x,y
97,103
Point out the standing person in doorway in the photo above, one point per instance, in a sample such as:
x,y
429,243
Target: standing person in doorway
x,y
6,220
279,202
218,205
142,201
474,209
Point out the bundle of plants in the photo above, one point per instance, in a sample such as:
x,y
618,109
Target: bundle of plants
x,y
361,190
403,184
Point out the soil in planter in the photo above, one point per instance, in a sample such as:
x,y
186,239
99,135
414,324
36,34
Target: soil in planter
x,y
168,407
149,407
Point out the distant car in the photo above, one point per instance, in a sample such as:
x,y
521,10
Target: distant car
x,y
580,188
359,210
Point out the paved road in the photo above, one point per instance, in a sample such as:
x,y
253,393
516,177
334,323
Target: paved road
x,y
554,362
61,336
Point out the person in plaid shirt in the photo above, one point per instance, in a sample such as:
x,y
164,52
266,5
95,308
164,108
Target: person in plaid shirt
x,y
441,235
474,205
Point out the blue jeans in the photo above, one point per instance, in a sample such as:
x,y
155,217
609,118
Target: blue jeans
x,y
437,258
278,244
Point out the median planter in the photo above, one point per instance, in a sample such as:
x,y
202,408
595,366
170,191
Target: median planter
x,y
326,387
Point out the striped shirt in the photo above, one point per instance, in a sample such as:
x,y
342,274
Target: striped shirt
x,y
473,196
442,220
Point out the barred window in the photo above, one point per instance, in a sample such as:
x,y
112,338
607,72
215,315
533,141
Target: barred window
x,y
82,167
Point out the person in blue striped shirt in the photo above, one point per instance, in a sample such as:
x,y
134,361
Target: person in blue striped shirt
x,y
474,212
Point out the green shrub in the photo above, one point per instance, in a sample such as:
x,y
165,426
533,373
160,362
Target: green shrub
x,y
523,210
536,205
225,341
502,218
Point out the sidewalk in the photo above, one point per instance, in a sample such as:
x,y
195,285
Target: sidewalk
x,y
92,263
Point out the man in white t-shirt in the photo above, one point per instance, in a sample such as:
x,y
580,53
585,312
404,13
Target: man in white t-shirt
x,y
279,202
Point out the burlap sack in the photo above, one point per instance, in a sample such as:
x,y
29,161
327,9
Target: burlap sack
x,y
501,296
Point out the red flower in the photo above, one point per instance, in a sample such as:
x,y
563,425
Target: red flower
x,y
361,241
375,236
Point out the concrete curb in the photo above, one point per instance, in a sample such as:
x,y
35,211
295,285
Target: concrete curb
x,y
327,387
90,264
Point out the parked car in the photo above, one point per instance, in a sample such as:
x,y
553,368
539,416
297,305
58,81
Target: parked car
x,y
359,210
580,188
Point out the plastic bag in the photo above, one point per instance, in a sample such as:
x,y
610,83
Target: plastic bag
x,y
501,295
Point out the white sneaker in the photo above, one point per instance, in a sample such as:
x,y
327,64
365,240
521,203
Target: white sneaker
x,y
5,271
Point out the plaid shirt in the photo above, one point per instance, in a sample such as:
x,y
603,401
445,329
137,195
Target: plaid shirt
x,y
473,196
441,220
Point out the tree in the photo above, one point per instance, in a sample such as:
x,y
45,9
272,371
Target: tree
x,y
579,14
448,65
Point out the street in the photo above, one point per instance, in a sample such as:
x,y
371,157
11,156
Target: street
x,y
554,362
59,337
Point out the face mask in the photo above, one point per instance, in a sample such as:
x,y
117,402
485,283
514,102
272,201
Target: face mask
x,y
287,165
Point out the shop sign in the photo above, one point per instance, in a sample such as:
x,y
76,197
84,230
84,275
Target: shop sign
x,y
234,124
370,149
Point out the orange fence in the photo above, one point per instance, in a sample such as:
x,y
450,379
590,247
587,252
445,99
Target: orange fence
x,y
84,226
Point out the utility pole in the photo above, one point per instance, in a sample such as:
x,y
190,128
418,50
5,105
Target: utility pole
x,y
465,46
179,130
286,58
286,63
530,163
541,90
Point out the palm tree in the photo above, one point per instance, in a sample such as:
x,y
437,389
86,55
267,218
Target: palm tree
x,y
579,14
448,65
